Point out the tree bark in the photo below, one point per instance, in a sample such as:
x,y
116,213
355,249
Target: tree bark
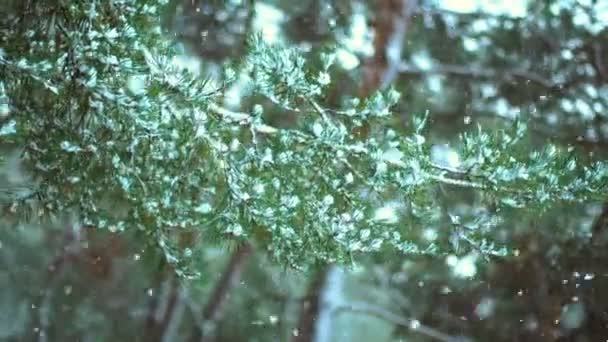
x,y
213,309
161,304
600,226
390,29
325,295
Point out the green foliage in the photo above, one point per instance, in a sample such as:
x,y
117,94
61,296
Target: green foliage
x,y
121,168
115,132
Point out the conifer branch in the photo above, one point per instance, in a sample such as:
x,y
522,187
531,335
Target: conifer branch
x,y
456,182
241,118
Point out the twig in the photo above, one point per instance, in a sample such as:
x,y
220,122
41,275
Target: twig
x,y
409,323
229,115
477,72
448,169
538,128
356,172
319,110
9,195
241,118
457,182
426,10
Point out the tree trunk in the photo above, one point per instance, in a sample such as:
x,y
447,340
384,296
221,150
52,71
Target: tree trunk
x,y
325,295
600,227
162,303
390,29
213,309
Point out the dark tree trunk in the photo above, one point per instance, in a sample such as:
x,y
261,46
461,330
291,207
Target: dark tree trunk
x,y
213,309
318,307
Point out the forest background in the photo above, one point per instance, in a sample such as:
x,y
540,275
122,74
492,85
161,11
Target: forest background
x,y
390,170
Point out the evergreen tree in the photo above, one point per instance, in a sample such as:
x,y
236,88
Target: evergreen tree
x,y
104,130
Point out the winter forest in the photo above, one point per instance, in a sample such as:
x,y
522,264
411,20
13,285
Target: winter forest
x,y
304,171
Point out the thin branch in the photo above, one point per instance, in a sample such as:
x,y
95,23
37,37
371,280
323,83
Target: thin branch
x,y
426,10
231,116
538,128
241,118
12,194
478,72
448,169
409,323
457,182
319,110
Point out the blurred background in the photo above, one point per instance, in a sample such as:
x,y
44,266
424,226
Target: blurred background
x,y
468,63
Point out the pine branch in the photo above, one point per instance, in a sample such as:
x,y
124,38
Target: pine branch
x,y
456,182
